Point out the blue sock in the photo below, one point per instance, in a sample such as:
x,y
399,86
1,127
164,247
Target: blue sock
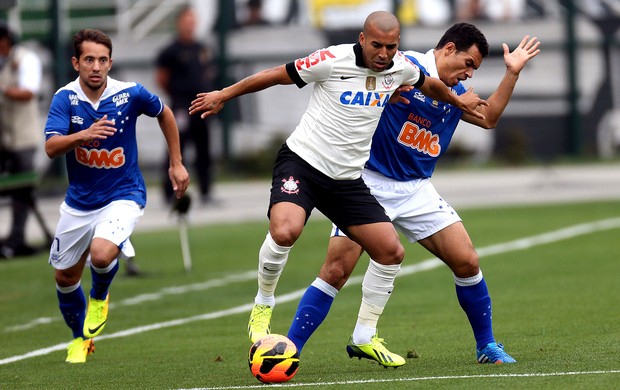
x,y
476,302
311,311
72,304
102,278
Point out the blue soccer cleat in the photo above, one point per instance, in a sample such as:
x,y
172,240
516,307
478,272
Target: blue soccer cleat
x,y
494,353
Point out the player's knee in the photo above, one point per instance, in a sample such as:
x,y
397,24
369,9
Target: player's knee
x,y
101,257
284,235
467,266
335,274
66,278
397,253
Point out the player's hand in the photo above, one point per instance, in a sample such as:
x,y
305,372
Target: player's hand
x,y
209,103
100,129
179,179
525,51
397,97
470,101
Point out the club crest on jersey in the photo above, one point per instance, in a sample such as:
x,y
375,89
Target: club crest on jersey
x,y
290,185
388,81
371,83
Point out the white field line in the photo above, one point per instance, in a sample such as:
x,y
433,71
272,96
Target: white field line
x,y
177,290
412,379
519,244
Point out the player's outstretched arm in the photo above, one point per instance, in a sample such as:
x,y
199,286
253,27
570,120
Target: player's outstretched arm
x,y
176,171
515,62
468,102
210,103
61,144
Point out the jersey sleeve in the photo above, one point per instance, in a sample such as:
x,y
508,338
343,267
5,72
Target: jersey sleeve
x,y
314,68
152,105
59,116
412,75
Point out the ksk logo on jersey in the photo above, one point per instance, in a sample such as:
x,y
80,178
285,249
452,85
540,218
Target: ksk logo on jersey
x,y
100,158
290,186
73,98
313,59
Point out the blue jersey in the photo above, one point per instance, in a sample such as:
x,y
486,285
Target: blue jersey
x,y
105,170
410,138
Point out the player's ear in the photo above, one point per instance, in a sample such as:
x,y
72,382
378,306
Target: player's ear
x,y
450,48
76,64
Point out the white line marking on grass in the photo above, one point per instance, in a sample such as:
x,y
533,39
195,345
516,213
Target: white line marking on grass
x,y
520,244
175,290
411,379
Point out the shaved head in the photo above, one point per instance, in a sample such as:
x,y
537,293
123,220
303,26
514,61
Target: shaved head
x,y
380,40
381,20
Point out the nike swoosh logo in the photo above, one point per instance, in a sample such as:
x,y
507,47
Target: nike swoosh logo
x,y
347,77
91,330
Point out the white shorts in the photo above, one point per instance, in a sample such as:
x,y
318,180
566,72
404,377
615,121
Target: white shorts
x,y
415,207
77,228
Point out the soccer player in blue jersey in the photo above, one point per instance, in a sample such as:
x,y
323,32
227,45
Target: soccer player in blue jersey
x,y
321,162
411,136
92,121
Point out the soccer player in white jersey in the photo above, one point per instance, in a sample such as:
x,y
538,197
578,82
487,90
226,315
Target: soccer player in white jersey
x,y
321,162
92,121
409,140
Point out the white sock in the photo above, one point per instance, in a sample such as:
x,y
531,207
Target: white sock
x,y
68,289
106,269
377,286
271,261
471,281
325,287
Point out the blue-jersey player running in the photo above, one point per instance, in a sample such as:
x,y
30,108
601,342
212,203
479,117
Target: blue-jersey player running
x,y
92,121
411,136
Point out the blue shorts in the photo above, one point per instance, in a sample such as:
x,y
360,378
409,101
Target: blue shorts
x,y
345,202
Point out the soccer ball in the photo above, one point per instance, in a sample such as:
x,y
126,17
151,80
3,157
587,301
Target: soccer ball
x,y
273,359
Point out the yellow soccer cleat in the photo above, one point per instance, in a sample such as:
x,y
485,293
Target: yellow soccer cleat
x,y
375,350
96,316
259,324
79,349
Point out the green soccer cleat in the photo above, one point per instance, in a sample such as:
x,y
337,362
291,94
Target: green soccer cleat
x,y
375,350
79,349
96,316
259,324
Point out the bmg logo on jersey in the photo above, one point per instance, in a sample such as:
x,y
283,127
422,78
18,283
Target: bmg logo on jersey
x,y
100,158
422,140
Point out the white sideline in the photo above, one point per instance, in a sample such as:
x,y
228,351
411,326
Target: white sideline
x,y
519,244
411,379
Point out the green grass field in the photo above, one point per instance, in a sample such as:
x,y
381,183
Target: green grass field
x,y
553,272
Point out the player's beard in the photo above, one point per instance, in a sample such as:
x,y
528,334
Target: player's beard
x,y
95,86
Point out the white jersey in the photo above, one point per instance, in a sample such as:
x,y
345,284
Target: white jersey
x,y
335,132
